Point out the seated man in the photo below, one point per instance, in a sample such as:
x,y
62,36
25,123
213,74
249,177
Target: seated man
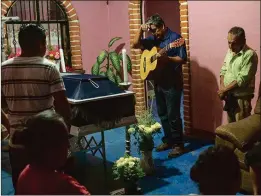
x,y
42,176
253,160
217,172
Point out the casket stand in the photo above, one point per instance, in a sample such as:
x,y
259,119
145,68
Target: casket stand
x,y
97,105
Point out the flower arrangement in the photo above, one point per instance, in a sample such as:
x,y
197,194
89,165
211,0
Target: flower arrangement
x,y
128,169
52,53
144,131
69,69
10,54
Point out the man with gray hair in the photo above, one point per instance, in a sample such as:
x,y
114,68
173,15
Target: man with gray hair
x,y
237,76
168,81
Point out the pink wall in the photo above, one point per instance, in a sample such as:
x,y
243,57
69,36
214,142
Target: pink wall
x,y
168,10
209,23
99,23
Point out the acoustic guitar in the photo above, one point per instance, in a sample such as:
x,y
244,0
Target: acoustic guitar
x,y
148,62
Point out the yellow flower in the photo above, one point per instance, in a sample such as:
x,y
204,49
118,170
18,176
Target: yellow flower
x,y
131,159
141,127
137,159
131,164
120,164
154,127
148,130
119,161
131,130
124,162
157,125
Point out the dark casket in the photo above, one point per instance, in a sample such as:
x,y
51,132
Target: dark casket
x,y
97,100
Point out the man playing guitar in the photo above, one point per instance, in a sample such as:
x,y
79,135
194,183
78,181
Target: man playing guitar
x,y
168,81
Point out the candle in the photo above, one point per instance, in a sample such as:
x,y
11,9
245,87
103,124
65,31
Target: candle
x,y
125,69
62,60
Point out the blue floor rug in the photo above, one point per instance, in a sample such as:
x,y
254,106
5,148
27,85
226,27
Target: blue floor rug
x,y
171,177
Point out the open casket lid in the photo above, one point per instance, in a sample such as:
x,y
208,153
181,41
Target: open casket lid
x,y
86,86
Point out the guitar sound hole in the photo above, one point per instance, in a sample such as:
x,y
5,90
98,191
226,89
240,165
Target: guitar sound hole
x,y
144,64
152,59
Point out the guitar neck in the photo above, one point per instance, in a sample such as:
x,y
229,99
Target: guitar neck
x,y
162,51
165,49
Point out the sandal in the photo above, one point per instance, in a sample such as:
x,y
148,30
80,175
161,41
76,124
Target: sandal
x,y
177,151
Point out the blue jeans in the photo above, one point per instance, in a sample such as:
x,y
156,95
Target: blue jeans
x,y
168,106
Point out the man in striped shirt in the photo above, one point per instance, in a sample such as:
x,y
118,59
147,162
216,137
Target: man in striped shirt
x,y
30,84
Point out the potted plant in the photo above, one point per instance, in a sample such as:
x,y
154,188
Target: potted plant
x,y
144,132
128,169
109,64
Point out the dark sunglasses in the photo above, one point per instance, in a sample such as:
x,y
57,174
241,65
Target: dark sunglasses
x,y
152,30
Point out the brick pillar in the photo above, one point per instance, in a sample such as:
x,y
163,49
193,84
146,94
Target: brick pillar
x,y
186,67
5,5
74,30
135,54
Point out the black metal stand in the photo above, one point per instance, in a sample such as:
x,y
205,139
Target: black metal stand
x,y
94,146
126,86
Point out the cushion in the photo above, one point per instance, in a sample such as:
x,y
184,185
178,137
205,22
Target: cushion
x,y
244,133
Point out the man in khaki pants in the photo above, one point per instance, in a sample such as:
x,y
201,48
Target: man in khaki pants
x,y
237,76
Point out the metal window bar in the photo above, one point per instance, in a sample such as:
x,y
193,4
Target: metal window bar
x,y
30,9
21,10
42,10
38,19
57,29
13,28
48,13
48,19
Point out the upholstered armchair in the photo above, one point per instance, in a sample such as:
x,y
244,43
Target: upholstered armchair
x,y
241,136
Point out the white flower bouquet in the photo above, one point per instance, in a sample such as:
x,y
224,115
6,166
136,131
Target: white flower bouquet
x,y
145,130
128,169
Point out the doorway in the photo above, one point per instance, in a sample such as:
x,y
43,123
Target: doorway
x,y
170,12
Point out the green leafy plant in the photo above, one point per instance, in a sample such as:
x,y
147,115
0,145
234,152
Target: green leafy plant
x,y
109,63
128,169
145,130
8,50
